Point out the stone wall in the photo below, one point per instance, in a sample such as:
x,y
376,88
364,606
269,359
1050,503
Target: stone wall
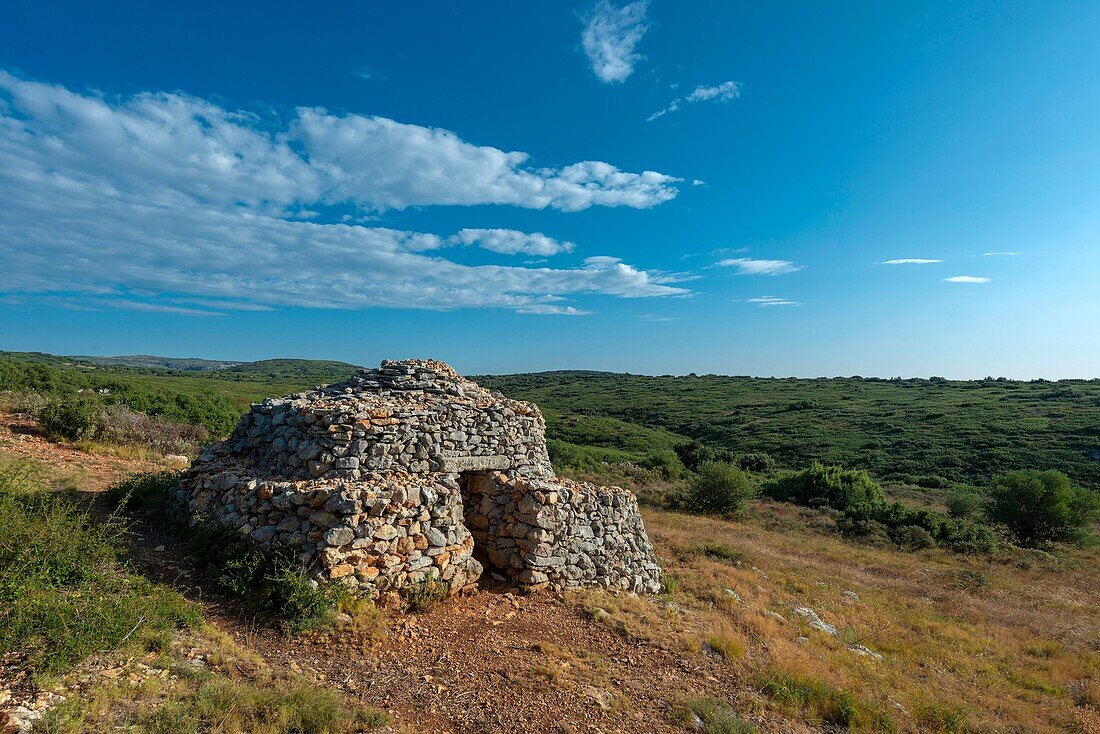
x,y
396,475
412,418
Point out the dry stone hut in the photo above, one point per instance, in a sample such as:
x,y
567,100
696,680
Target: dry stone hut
x,y
410,471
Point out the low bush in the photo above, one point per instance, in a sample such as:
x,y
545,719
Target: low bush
x,y
1040,507
964,503
120,425
70,419
848,490
22,401
719,489
864,510
694,454
756,461
666,462
913,537
272,580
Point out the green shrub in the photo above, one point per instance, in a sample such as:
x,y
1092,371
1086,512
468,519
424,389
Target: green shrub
x,y
964,503
913,537
298,602
1040,507
756,461
719,489
270,579
848,490
694,454
666,462
70,419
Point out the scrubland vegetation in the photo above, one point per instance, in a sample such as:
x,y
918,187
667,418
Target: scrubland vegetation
x,y
944,529
69,605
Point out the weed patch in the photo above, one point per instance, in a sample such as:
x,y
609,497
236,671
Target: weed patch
x,y
821,702
712,716
423,594
63,594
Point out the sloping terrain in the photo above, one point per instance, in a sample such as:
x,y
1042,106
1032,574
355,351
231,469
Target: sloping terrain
x,y
997,644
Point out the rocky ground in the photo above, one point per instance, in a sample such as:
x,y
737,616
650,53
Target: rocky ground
x,y
495,660
1005,644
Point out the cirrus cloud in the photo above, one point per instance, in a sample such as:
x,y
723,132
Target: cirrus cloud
x,y
966,279
770,301
750,266
911,261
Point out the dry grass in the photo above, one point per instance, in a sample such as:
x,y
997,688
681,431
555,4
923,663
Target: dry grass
x,y
207,683
1007,644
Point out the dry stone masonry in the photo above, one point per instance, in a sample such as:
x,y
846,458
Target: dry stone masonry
x,y
409,472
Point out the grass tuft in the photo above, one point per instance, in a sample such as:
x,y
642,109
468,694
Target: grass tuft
x,y
821,702
711,716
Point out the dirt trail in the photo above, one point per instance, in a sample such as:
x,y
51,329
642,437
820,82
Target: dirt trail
x,y
486,662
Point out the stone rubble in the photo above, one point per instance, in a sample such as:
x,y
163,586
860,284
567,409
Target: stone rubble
x,y
406,473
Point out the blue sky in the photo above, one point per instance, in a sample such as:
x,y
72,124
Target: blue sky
x,y
649,187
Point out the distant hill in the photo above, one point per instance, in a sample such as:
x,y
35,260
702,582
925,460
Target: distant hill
x,y
310,371
314,371
934,428
182,364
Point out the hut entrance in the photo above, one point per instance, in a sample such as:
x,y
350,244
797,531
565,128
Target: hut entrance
x,y
483,503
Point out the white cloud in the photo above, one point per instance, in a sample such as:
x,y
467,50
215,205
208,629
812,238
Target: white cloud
x,y
723,92
367,74
165,198
911,261
966,279
610,36
749,266
996,254
698,182
512,242
769,301
221,156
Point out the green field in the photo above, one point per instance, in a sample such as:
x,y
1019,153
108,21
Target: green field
x,y
928,429
958,430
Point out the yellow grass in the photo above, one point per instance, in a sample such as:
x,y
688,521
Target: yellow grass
x,y
1008,644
